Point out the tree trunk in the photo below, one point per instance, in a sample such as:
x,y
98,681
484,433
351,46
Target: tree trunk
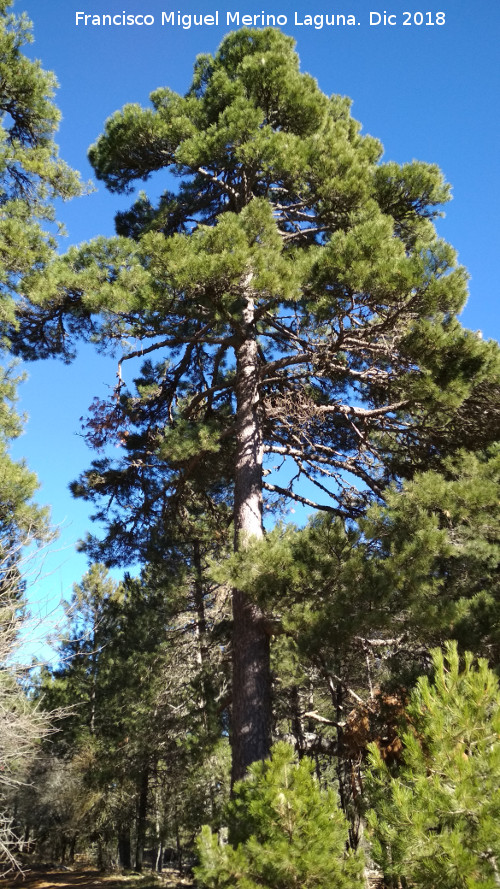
x,y
101,861
142,809
251,705
178,844
296,721
201,624
201,632
124,848
158,865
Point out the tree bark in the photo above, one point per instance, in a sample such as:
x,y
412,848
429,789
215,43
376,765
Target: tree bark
x,y
124,848
251,707
201,624
201,633
142,809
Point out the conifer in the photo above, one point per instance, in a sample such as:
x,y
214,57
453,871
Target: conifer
x,y
435,817
285,833
296,308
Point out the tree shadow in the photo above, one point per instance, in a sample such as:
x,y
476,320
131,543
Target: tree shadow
x,y
48,878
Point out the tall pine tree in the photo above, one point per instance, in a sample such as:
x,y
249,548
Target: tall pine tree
x,y
299,306
31,177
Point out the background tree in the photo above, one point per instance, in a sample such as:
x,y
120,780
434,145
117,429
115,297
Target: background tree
x,y
32,175
31,178
142,745
23,724
21,521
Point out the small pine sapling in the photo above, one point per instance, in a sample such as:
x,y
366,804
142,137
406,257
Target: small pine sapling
x,y
285,833
435,819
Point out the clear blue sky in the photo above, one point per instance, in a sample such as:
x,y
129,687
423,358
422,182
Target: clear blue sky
x,y
428,92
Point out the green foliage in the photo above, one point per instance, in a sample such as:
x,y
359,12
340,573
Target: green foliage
x,y
422,566
31,177
141,677
438,547
31,173
21,521
435,817
316,582
280,193
285,833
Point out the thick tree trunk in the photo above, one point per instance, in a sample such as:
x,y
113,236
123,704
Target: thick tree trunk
x,y
251,707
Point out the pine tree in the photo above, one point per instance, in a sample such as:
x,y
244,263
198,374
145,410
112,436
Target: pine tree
x,y
31,177
21,520
141,746
285,832
438,553
298,303
434,819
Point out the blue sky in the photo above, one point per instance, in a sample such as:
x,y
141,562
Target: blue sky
x,y
428,92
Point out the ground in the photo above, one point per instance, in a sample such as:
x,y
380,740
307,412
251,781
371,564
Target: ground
x,y
48,878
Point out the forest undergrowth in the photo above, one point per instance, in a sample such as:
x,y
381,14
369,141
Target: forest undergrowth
x,y
89,878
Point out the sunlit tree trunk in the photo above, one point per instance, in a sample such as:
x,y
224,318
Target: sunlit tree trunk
x,y
251,707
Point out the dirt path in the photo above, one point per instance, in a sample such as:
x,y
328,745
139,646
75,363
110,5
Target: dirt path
x,y
91,879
